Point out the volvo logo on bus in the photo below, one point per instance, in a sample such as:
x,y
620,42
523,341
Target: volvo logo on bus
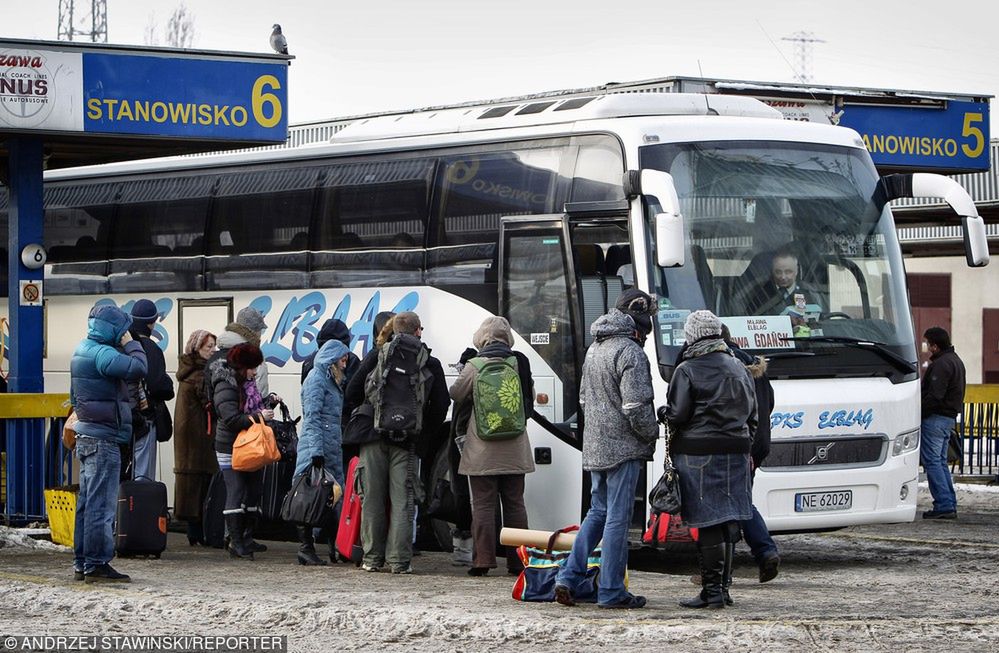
x,y
821,453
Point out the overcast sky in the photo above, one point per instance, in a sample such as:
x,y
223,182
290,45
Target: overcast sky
x,y
375,55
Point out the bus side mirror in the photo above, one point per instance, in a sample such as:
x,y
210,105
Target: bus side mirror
x,y
671,248
922,184
976,244
671,238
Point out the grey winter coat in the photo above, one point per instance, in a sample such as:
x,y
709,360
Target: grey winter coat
x,y
616,395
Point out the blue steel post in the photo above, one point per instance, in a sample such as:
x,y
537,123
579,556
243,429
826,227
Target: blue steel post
x,y
25,437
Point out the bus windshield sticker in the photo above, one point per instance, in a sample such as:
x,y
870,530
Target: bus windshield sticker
x,y
671,325
540,338
760,332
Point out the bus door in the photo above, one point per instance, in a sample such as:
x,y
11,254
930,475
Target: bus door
x,y
192,314
536,291
548,290
209,314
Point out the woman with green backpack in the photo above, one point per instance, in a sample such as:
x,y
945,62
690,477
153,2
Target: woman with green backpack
x,y
495,449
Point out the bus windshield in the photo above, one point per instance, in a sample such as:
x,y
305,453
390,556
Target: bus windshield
x,y
791,247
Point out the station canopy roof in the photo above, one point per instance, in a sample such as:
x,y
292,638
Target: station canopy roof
x,y
96,103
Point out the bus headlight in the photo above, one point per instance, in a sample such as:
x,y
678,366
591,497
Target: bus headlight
x,y
905,442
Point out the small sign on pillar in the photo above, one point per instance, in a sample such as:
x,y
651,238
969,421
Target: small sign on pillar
x,y
31,293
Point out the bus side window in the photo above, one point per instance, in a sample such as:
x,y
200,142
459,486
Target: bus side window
x,y
259,233
76,226
157,221
372,223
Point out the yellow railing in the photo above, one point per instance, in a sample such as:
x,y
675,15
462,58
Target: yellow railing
x,y
16,404
979,430
34,458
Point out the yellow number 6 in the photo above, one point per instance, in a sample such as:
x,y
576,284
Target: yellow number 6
x,y
968,130
260,99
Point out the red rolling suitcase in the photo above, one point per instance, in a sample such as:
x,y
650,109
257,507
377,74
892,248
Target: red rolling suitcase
x,y
348,535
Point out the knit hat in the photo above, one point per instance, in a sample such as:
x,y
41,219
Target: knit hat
x,y
144,311
245,357
196,340
639,305
701,324
252,319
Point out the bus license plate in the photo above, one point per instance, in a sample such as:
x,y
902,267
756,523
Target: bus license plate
x,y
821,501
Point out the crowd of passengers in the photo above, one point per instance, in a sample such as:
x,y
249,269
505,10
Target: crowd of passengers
x,y
718,412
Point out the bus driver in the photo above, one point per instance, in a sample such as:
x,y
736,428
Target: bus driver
x,y
782,289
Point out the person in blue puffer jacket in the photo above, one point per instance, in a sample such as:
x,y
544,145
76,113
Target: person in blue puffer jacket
x,y
101,365
320,442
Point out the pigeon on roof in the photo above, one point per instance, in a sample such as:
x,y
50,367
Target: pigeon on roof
x,y
278,41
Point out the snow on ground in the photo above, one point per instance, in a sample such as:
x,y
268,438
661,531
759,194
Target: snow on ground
x,y
922,586
16,537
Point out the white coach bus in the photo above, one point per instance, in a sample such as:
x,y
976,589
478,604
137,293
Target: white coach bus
x,y
543,212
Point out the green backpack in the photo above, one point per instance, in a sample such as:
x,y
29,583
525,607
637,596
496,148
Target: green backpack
x,y
498,399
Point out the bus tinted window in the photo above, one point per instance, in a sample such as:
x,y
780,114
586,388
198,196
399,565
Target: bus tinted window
x,y
263,211
162,217
375,204
477,188
77,228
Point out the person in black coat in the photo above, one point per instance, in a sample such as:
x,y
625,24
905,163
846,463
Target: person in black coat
x,y
236,404
755,529
333,329
149,395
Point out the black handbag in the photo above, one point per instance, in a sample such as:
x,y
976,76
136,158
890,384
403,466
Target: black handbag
x,y
442,503
286,433
360,428
162,421
665,496
311,499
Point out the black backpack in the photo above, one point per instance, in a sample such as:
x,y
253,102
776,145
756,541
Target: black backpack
x,y
398,388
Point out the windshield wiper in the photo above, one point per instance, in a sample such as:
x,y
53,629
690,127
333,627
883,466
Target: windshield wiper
x,y
879,348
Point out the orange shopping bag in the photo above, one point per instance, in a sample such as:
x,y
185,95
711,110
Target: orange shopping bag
x,y
254,448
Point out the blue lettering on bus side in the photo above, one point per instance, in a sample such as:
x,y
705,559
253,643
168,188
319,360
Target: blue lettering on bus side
x,y
786,420
299,318
860,417
164,305
303,318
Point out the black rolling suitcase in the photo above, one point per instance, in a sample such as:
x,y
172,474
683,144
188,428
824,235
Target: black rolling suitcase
x,y
277,482
212,519
141,526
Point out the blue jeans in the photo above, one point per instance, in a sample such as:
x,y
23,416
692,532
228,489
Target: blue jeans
x,y
935,436
758,537
612,500
93,540
144,454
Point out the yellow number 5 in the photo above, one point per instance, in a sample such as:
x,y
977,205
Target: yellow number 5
x,y
260,99
975,132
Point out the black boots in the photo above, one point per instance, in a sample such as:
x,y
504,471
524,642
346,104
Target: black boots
x,y
727,573
236,524
195,532
307,551
712,572
252,515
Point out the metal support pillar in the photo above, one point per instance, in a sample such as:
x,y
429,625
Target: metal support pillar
x,y
25,438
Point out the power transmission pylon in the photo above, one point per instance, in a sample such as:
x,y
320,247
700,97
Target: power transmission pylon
x,y
93,27
803,52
